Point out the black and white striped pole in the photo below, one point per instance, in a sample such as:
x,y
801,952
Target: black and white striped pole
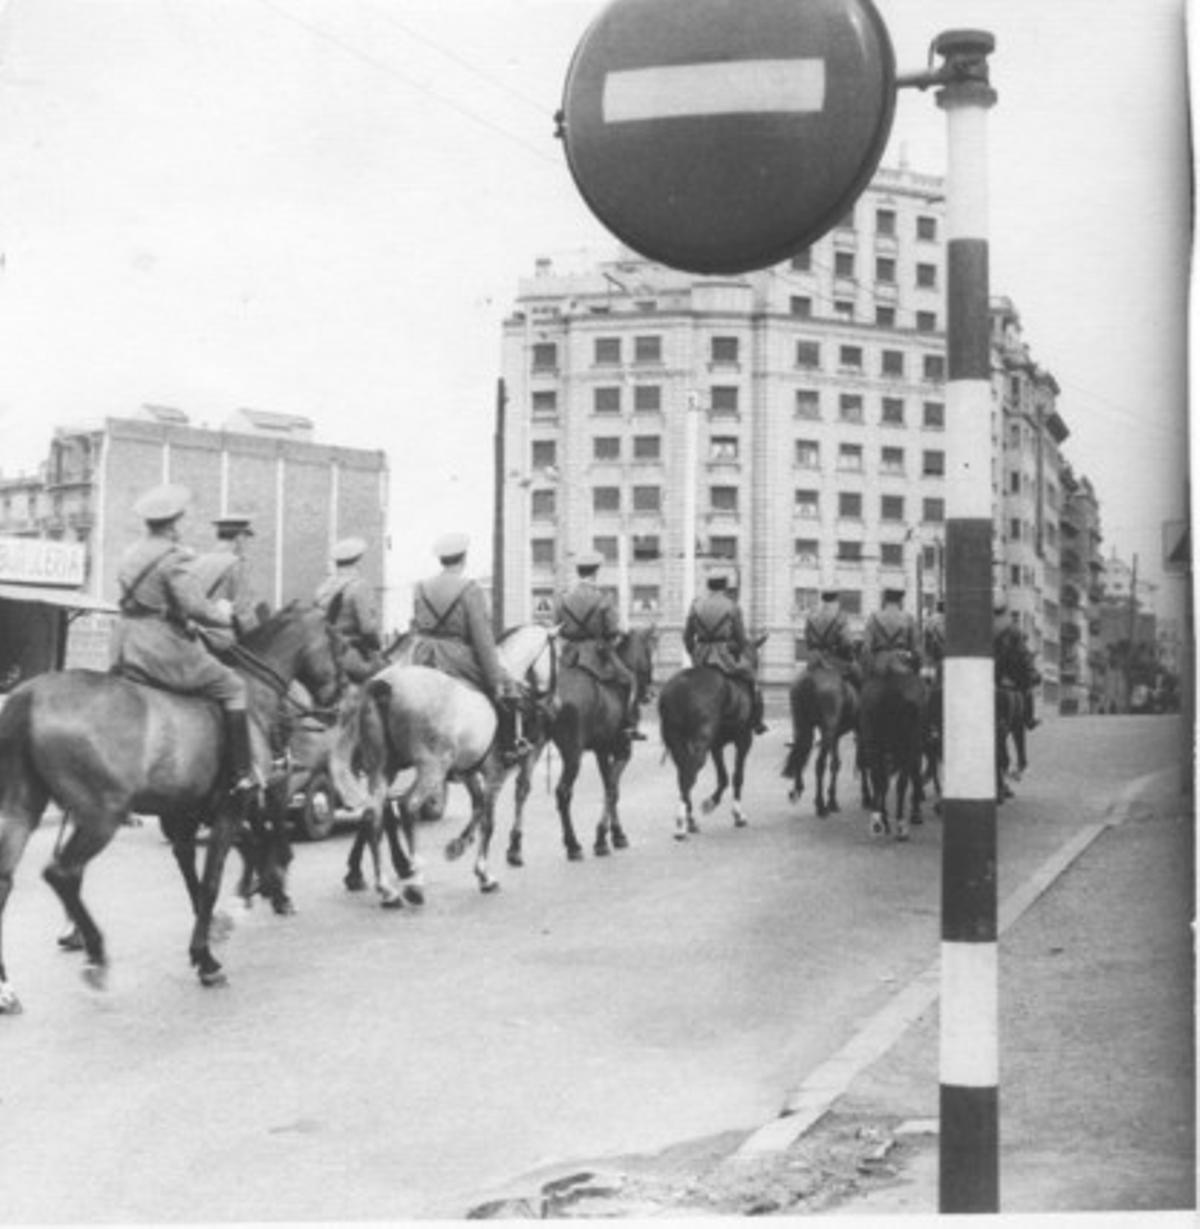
x,y
969,1060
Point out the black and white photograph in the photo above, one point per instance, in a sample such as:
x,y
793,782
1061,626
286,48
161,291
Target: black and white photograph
x,y
596,611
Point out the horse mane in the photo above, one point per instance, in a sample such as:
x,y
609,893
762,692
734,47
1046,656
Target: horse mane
x,y
266,631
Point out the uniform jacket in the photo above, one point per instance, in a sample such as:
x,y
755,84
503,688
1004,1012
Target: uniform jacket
x,y
222,573
935,638
450,617
715,635
1014,661
160,601
589,623
349,605
826,638
890,641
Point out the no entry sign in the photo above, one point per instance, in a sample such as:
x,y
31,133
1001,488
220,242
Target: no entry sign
x,y
719,136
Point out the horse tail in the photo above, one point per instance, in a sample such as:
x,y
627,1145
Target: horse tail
x,y
376,750
22,788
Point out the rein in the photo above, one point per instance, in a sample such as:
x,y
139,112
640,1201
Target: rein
x,y
262,670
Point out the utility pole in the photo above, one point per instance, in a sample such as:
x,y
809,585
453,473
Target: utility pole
x,y
1131,634
498,512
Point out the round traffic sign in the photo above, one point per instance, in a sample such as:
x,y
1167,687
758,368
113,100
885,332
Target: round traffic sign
x,y
719,136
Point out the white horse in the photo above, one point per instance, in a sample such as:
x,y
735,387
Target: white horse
x,y
443,729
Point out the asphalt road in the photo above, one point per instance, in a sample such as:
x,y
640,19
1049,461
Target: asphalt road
x,y
365,1064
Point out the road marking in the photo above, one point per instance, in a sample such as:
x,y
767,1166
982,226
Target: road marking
x,y
744,87
813,1099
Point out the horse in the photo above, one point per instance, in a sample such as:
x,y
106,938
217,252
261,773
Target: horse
x,y
933,740
416,717
1010,723
701,710
891,731
822,701
102,746
590,716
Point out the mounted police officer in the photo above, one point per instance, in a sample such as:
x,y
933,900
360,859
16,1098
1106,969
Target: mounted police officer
x,y
714,634
890,638
827,638
161,606
1014,661
935,638
589,626
223,573
454,634
349,604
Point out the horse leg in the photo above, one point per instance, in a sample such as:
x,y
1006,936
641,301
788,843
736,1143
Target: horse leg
x,y
522,788
353,878
220,839
822,764
688,762
739,773
605,767
14,835
619,839
835,765
90,834
563,791
711,803
486,806
1018,737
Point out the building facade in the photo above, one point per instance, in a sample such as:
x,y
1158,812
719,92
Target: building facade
x,y
791,420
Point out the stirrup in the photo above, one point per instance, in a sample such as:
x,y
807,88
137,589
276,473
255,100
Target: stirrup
x,y
247,783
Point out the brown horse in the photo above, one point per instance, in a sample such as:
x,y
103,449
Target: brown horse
x,y
590,716
103,747
823,703
702,710
892,734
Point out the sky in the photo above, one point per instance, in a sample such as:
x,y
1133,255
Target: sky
x,y
324,207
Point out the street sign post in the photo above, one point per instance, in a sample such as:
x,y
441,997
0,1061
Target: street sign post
x,y
721,136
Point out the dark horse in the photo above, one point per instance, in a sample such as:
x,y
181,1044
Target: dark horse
x,y
891,741
590,717
701,710
102,747
823,702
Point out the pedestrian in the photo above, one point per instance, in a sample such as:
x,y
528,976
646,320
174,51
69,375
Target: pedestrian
x,y
890,637
350,607
1014,661
454,634
223,572
161,607
935,638
714,634
589,628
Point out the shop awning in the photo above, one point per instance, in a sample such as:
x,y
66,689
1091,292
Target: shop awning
x,y
68,599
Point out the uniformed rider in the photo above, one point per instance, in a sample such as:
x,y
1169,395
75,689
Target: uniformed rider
x,y
350,607
714,634
827,638
223,572
890,638
589,625
1014,661
161,605
935,638
454,634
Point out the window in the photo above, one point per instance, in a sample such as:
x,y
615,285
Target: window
x,y
808,403
885,317
606,400
1014,575
891,460
929,557
606,547
647,398
850,407
851,357
1014,482
647,349
933,463
852,601
646,547
723,498
843,309
927,276
891,508
543,505
850,457
843,264
545,356
849,552
892,363
891,554
850,505
801,305
1014,435
806,600
606,351
807,504
885,269
1014,530
808,354
724,350
885,221
606,499
926,322
723,547
933,414
543,552
723,398
545,404
802,261
933,510
723,448
927,228
544,454
645,599
807,552
606,448
934,367
647,447
543,602
808,454
892,413
647,498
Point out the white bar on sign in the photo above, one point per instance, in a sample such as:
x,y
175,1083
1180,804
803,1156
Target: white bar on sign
x,y
740,87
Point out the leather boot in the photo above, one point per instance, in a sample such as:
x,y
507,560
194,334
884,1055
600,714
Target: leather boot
x,y
760,726
512,746
239,755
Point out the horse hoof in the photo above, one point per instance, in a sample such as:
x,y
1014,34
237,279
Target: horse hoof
x,y
878,825
10,1005
95,976
574,854
917,819
793,796
901,836
515,859
680,834
71,941
708,806
220,928
693,827
214,979
620,840
284,907
454,850
834,809
822,812
354,882
488,886
411,894
601,850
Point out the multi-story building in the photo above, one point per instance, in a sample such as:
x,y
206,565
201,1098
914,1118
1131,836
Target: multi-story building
x,y
790,421
1083,662
302,495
